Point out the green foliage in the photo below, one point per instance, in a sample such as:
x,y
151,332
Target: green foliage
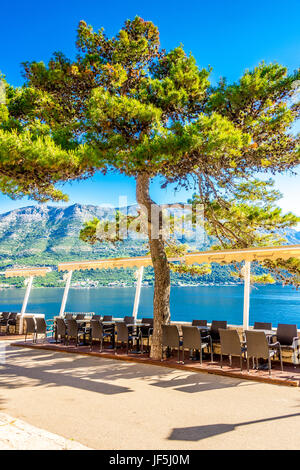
x,y
126,104
112,231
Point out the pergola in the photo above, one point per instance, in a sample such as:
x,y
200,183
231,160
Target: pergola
x,y
139,262
28,273
247,256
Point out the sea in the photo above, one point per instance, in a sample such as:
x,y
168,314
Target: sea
x,y
269,303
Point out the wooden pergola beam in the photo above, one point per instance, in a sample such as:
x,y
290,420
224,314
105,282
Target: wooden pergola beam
x,y
26,272
212,256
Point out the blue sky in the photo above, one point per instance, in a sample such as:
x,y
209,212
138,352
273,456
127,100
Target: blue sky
x,y
229,35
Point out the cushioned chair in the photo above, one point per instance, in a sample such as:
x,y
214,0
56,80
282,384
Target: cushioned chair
x,y
231,345
259,348
192,339
287,336
171,338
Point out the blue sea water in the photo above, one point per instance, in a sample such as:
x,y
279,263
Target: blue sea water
x,y
276,304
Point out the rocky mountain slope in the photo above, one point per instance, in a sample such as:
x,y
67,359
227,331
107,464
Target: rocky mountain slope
x,y
52,233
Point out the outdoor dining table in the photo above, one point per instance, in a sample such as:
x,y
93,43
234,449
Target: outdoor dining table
x,y
268,332
203,327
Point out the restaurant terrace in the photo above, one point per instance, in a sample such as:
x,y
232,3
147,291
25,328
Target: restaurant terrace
x,y
204,348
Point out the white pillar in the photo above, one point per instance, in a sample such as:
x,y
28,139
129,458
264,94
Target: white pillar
x,y
66,292
138,292
25,302
247,272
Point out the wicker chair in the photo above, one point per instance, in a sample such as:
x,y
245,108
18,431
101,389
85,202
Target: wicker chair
x,y
73,332
171,338
287,336
30,327
108,328
4,320
192,339
127,320
259,348
214,330
80,316
60,330
40,327
96,333
12,321
123,336
262,326
231,346
96,317
199,323
107,318
146,331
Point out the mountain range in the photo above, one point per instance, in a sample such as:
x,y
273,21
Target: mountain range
x,y
47,235
53,232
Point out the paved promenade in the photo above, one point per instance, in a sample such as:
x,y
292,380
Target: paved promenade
x,y
108,404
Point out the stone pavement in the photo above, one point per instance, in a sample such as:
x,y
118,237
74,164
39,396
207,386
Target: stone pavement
x,y
15,434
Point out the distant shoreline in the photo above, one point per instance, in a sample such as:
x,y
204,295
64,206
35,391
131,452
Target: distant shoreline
x,y
129,287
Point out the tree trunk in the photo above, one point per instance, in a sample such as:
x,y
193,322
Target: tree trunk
x,y
161,301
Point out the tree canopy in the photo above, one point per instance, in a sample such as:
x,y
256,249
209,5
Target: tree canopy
x,y
127,105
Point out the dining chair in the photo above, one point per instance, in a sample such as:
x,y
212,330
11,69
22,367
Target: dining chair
x,y
287,336
192,339
171,338
231,346
259,348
